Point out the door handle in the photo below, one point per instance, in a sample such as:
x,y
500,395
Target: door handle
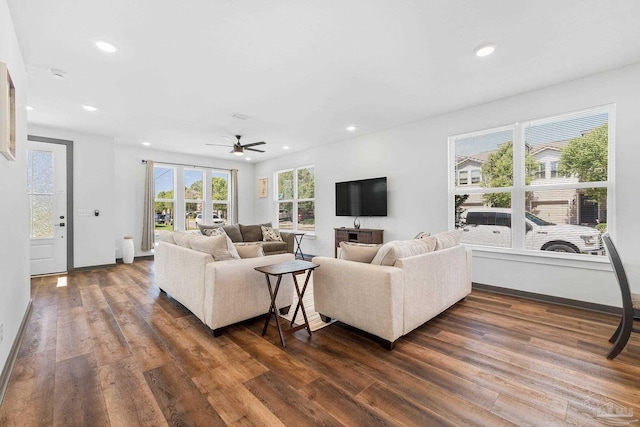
x,y
496,231
59,225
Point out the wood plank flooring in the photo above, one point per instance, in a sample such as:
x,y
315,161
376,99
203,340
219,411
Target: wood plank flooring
x,y
109,349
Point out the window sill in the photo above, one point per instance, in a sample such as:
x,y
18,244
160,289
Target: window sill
x,y
589,262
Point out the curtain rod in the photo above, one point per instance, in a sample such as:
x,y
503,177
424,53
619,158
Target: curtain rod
x,y
184,164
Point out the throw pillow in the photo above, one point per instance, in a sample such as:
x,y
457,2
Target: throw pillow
x,y
220,247
249,250
422,235
214,231
392,251
167,237
358,252
182,238
270,234
448,239
203,228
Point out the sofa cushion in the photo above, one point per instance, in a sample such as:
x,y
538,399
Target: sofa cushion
x,y
233,231
182,238
358,252
270,247
220,247
270,234
249,250
252,233
392,251
167,237
447,239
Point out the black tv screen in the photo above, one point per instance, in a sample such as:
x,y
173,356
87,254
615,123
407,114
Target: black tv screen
x,y
365,197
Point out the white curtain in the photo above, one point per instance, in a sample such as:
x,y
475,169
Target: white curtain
x,y
148,219
233,209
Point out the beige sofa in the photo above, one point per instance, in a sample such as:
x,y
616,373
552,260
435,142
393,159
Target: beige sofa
x,y
390,301
219,293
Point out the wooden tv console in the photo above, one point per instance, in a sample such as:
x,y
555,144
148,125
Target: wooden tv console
x,y
357,235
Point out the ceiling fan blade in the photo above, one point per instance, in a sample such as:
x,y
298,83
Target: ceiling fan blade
x,y
220,145
254,143
253,149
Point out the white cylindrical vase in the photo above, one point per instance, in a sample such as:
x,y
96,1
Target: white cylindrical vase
x,y
128,250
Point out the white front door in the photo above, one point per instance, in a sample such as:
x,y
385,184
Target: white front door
x,y
47,191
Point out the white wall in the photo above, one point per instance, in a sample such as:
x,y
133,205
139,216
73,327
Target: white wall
x,y
129,184
15,287
93,188
413,157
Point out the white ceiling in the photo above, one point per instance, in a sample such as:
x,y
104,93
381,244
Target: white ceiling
x,y
301,70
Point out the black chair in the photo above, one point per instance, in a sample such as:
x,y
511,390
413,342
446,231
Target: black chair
x,y
630,302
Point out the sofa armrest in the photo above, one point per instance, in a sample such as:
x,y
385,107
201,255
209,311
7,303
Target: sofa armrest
x,y
369,297
180,273
235,291
434,282
288,238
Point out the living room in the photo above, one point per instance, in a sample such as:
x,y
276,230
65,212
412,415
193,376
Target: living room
x,y
108,175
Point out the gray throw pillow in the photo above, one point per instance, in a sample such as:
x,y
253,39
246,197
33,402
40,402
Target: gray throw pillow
x,y
233,231
252,233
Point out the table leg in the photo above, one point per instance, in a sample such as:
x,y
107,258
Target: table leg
x,y
300,304
272,308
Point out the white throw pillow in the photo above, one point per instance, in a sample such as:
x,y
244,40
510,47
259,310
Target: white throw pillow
x,y
213,231
396,249
270,234
249,250
447,239
220,247
358,252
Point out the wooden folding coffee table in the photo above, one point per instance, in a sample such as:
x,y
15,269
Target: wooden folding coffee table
x,y
279,270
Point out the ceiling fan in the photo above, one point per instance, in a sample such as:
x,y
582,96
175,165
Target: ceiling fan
x,y
238,149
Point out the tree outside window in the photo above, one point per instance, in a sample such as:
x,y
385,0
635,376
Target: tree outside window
x,y
295,199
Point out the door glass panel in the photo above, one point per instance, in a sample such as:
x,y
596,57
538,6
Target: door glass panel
x,y
40,172
40,188
41,216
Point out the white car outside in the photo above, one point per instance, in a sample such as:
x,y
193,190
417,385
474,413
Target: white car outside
x,y
216,220
492,227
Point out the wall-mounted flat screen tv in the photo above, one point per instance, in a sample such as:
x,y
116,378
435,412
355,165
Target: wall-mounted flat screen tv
x,y
365,197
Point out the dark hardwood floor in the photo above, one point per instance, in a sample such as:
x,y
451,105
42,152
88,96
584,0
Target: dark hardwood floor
x,y
109,349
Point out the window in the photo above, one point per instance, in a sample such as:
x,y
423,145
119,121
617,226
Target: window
x,y
195,202
164,184
295,199
463,177
193,198
476,176
514,206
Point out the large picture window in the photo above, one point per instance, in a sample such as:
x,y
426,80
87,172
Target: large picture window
x,y
295,199
195,202
543,185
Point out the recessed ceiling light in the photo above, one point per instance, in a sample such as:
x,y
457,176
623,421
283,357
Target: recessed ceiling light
x,y
90,108
57,74
106,46
247,158
485,50
240,116
29,108
147,143
285,147
351,128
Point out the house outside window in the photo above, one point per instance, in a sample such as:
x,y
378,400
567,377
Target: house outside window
x,y
295,199
545,184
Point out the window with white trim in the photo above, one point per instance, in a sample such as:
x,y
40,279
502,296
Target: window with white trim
x,y
546,184
180,193
295,199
